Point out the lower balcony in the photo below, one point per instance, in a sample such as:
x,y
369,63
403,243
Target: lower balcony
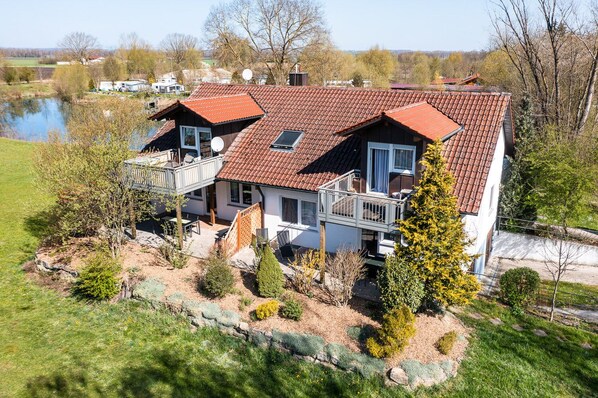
x,y
163,173
340,203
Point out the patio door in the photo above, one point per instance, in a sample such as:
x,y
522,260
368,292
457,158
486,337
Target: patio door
x,y
378,167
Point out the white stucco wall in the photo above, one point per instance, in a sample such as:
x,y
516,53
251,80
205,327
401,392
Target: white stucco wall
x,y
226,209
337,236
478,226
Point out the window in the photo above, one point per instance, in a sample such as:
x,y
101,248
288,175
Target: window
x,y
240,192
287,140
197,138
386,158
302,212
308,213
188,139
404,160
290,209
197,194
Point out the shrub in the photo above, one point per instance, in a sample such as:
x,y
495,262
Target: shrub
x,y
270,279
446,342
398,326
519,286
218,280
292,309
305,268
244,302
344,270
266,309
172,254
99,279
399,285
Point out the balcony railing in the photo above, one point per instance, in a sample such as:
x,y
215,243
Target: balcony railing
x,y
160,173
340,204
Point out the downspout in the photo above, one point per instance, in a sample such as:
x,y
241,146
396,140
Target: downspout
x,y
259,189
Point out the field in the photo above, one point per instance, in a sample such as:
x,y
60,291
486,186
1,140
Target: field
x,y
27,61
50,345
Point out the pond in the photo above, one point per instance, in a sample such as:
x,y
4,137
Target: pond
x,y
33,119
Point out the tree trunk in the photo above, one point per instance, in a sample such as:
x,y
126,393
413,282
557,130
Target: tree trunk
x,y
553,303
179,223
132,220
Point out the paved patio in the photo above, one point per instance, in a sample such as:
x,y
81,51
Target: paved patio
x,y
200,242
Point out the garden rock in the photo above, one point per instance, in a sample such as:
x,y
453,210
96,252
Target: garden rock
x,y
496,321
150,289
210,311
176,298
193,308
228,318
540,333
346,359
517,327
399,376
586,346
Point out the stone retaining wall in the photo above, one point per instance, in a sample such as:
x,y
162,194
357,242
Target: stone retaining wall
x,y
307,347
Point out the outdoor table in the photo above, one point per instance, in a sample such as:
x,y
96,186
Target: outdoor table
x,y
187,225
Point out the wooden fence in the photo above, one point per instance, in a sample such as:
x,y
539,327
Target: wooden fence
x,y
243,227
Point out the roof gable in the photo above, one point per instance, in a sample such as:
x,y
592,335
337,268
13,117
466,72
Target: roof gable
x,y
217,110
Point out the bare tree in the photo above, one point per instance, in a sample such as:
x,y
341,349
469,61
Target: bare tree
x,y
560,255
181,49
344,269
555,55
78,46
274,31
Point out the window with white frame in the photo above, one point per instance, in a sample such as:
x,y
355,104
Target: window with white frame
x,y
197,138
386,158
301,212
240,193
197,194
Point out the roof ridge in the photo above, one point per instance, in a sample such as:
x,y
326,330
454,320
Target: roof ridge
x,y
364,89
408,106
220,96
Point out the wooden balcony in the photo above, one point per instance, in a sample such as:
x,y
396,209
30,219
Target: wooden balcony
x,y
161,173
340,204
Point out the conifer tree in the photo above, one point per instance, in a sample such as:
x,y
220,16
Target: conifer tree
x,y
435,237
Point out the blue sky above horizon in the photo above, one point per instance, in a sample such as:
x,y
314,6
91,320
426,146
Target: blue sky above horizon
x,y
354,25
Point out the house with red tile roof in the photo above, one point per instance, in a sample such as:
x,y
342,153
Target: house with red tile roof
x,y
332,166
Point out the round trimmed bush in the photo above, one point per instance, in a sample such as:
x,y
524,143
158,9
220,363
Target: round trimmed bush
x,y
266,309
398,326
218,280
270,279
399,285
292,309
446,342
99,279
519,287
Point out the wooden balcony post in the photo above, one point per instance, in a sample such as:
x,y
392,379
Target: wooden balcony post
x,y
179,221
322,252
211,192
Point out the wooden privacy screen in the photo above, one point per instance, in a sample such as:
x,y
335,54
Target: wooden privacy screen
x,y
243,228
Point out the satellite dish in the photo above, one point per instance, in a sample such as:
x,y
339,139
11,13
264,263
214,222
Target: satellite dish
x,y
217,144
247,74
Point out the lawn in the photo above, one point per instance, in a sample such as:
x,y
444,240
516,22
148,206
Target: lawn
x,y
54,344
24,90
569,294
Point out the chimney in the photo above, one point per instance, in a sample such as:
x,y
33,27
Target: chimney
x,y
297,78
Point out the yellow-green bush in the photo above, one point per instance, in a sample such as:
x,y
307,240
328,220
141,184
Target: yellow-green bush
x,y
398,326
99,279
266,309
446,342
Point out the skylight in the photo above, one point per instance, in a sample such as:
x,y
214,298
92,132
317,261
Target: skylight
x,y
287,140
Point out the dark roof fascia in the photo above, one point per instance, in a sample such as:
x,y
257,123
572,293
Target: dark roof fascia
x,y
265,185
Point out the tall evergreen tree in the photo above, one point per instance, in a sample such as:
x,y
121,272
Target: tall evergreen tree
x,y
517,194
435,237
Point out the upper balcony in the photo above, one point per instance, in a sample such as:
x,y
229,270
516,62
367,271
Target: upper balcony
x,y
340,203
162,172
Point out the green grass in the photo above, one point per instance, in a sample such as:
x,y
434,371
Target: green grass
x,y
57,346
24,90
574,295
28,62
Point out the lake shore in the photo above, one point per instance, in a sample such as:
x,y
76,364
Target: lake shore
x,y
37,89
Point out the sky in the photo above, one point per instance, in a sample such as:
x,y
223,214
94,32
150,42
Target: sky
x,y
426,25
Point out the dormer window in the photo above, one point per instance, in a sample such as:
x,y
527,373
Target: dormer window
x,y
287,140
